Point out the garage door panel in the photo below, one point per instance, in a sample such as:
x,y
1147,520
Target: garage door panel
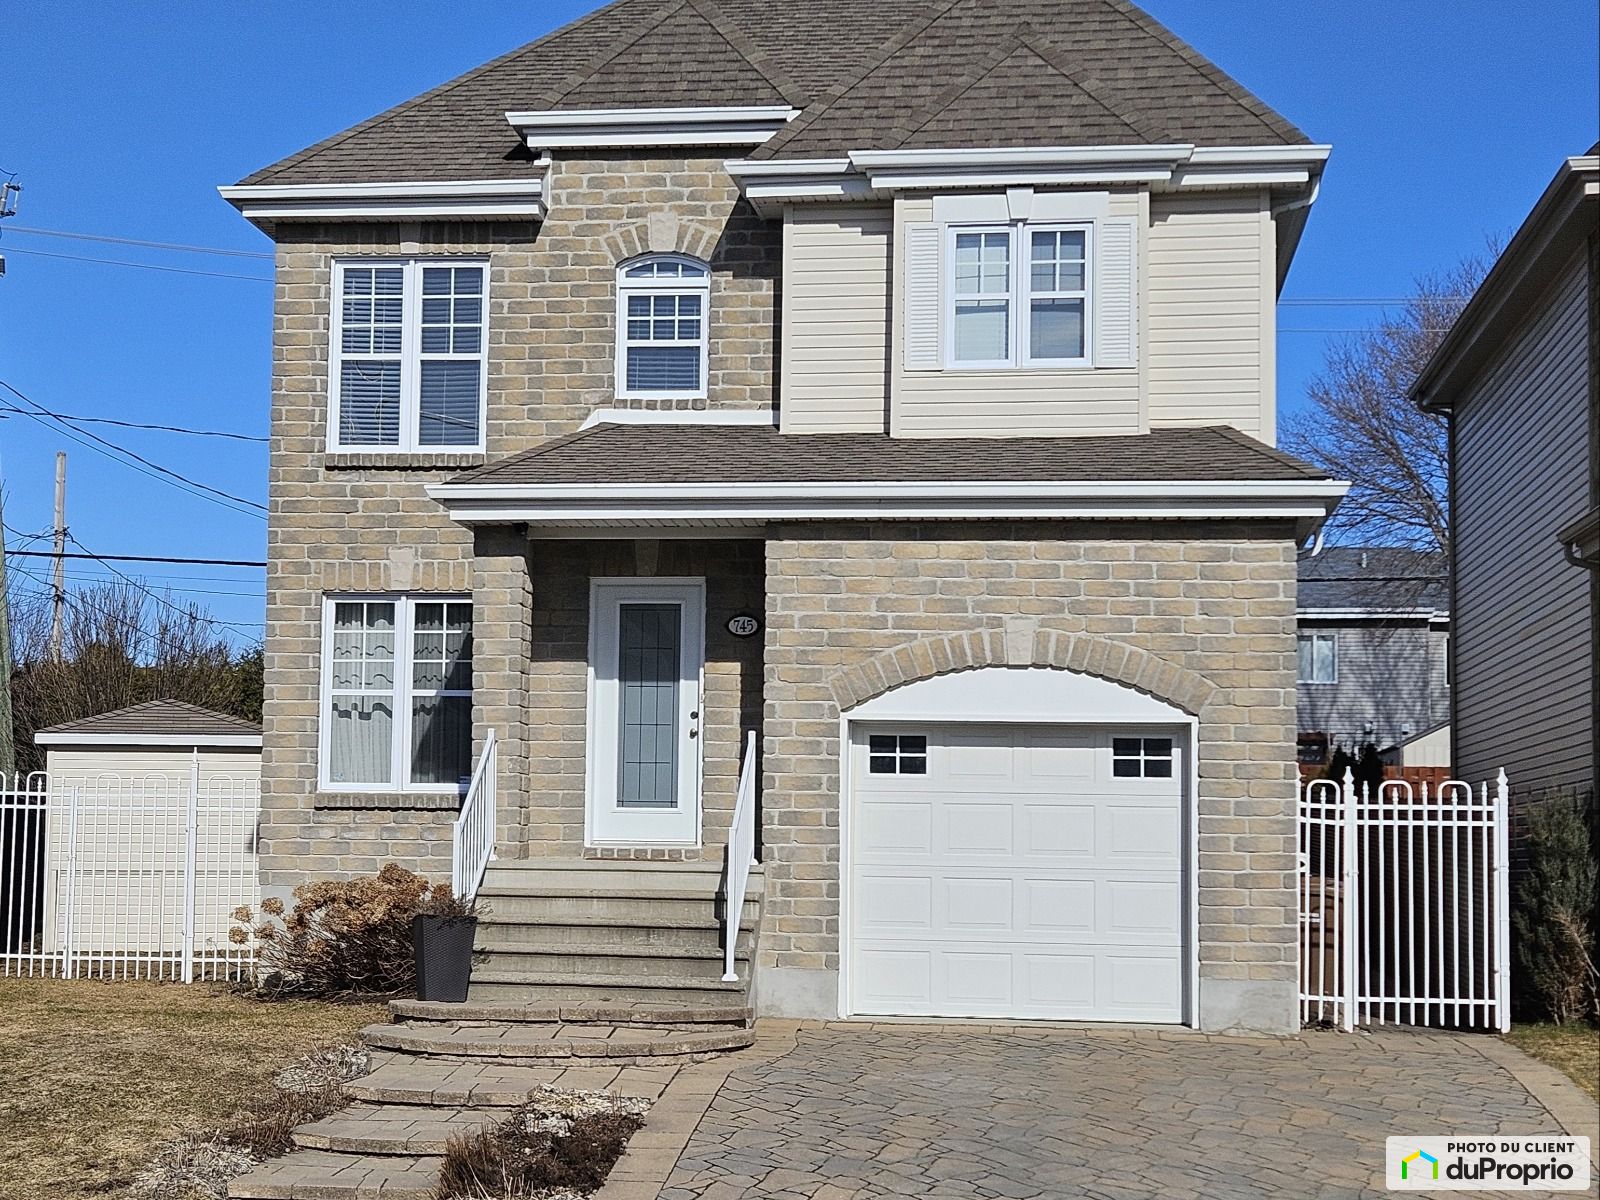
x,y
1016,874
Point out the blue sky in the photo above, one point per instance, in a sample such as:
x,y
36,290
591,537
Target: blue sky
x,y
1447,121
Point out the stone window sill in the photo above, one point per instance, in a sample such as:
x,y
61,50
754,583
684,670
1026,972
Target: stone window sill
x,y
349,461
392,801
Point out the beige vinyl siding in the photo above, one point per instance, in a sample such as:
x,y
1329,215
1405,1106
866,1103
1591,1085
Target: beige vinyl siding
x,y
1210,301
1009,403
835,358
1521,635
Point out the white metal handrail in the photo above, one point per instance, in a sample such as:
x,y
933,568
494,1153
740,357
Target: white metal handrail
x,y
473,840
741,857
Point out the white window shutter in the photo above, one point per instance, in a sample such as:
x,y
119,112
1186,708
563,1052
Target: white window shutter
x,y
922,297
1116,293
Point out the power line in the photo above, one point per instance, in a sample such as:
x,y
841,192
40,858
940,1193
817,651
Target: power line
x,y
122,262
216,433
126,241
166,474
158,599
152,558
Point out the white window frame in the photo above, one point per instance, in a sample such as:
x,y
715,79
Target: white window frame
x,y
411,357
1313,636
400,745
1019,352
628,287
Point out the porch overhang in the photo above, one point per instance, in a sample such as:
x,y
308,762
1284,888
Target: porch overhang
x,y
615,480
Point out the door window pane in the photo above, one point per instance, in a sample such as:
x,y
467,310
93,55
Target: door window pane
x,y
648,670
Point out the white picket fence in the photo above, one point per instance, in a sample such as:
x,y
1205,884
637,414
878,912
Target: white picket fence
x,y
1404,905
127,877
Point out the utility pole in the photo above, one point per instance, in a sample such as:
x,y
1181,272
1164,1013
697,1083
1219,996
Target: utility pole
x,y
57,622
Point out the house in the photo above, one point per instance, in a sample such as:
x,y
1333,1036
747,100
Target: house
x,y
1519,377
1374,646
855,419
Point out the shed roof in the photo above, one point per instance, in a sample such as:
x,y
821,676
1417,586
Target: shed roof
x,y
154,723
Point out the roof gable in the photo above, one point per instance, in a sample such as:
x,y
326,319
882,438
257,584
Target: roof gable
x,y
1084,71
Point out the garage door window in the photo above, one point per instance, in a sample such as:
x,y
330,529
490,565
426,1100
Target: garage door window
x,y
1141,758
897,754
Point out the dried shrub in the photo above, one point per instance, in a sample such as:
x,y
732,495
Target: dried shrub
x,y
1554,910
263,1128
349,937
562,1142
196,1167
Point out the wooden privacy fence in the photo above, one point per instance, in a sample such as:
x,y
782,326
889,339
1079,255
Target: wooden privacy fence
x,y
1404,905
126,876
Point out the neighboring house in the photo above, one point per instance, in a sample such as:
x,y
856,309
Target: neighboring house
x,y
1519,377
166,737
1374,646
892,382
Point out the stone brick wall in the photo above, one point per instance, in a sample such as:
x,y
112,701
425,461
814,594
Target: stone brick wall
x,y
362,522
1202,616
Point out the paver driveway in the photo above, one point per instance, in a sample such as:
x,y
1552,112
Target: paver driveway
x,y
859,1111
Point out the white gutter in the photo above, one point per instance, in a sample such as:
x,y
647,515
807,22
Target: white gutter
x,y
548,129
248,741
460,199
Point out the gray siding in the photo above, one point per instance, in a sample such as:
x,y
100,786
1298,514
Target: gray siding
x,y
1522,614
1390,678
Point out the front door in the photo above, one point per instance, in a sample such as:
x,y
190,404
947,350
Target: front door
x,y
646,651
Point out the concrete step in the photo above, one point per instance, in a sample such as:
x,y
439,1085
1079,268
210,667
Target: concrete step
x,y
330,1175
489,983
389,1129
641,965
637,925
514,1012
534,937
421,1082
556,906
630,879
533,1043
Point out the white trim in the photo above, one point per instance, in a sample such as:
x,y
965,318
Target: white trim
x,y
549,129
401,693
248,741
463,199
1243,491
681,416
1174,719
410,356
606,596
1371,614
698,285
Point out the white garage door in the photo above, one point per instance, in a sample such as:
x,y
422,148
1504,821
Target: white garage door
x,y
1017,871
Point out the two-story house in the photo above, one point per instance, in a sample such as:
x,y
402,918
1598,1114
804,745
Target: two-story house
x,y
1519,377
1374,654
854,421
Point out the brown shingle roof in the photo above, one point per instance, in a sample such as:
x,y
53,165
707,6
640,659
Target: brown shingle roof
x,y
959,73
668,453
160,718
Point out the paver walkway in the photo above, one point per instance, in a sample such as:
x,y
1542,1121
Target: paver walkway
x,y
858,1112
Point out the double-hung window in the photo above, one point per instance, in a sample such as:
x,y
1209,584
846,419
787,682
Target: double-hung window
x,y
1319,657
409,342
1019,296
397,693
662,343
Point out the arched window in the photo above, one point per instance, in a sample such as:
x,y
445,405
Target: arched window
x,y
662,304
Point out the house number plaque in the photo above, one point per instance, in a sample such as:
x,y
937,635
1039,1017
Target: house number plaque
x,y
743,625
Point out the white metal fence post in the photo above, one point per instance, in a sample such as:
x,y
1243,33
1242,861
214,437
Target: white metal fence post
x,y
1347,888
68,964
191,831
1502,903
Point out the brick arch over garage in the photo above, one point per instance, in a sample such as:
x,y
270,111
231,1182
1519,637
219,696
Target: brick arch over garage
x,y
1022,644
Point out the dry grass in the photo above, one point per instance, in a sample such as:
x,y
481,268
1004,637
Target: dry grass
x,y
93,1076
1573,1048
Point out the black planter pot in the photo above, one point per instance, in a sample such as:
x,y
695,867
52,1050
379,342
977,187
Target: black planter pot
x,y
444,956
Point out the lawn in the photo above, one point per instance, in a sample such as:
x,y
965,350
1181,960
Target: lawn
x,y
94,1075
1573,1048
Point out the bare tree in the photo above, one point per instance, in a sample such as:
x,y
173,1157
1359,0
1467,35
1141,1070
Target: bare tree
x,y
1361,426
122,645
